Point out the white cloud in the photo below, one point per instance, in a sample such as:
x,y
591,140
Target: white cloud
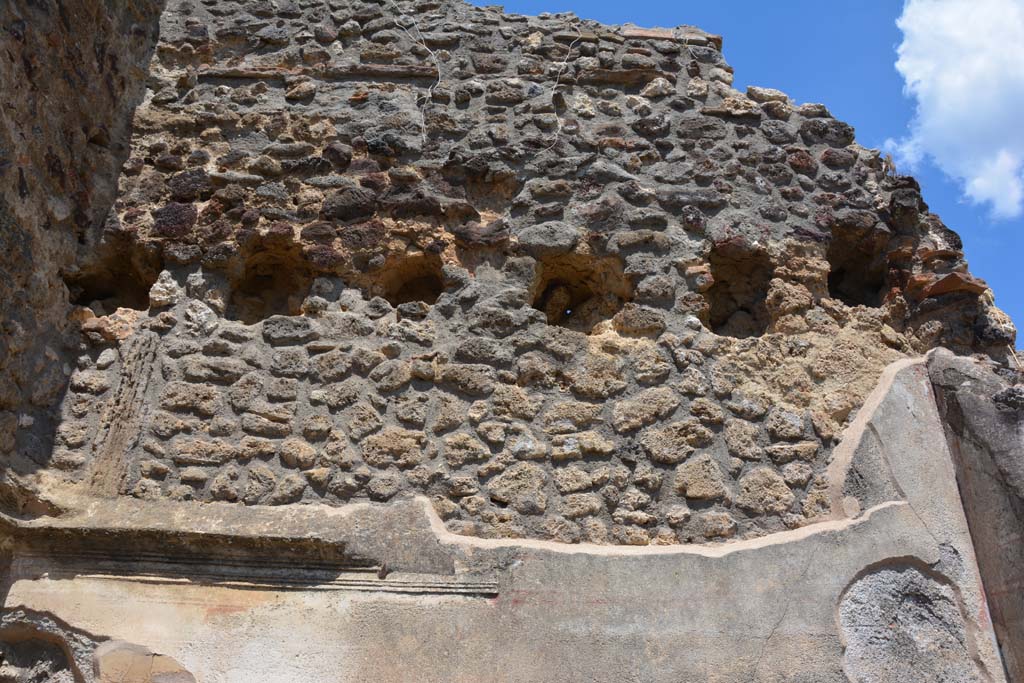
x,y
963,63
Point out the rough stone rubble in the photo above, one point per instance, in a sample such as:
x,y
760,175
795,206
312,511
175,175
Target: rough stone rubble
x,y
561,278
508,277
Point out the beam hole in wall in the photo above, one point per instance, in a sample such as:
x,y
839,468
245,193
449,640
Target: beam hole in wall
x,y
112,284
415,277
269,285
579,291
857,267
736,300
28,655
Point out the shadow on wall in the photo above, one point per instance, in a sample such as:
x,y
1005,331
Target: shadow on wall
x,y
269,285
415,278
76,72
742,276
115,279
577,292
858,264
736,300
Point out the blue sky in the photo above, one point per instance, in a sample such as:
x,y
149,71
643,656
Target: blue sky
x,y
842,53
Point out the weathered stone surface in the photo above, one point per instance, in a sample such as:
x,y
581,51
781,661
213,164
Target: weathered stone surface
x,y
648,407
282,330
984,422
675,442
375,254
472,380
349,203
128,663
521,487
763,491
549,239
700,479
201,399
393,446
899,622
348,276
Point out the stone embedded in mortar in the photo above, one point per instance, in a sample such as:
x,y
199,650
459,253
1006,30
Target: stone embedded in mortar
x,y
562,311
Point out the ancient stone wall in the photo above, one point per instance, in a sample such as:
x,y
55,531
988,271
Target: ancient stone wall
x,y
560,278
426,342
71,75
382,591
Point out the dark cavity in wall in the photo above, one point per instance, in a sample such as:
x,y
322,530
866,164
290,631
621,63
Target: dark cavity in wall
x,y
414,278
578,292
857,262
114,283
736,300
269,285
26,658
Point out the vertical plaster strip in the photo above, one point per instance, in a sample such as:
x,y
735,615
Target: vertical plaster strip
x,y
120,424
